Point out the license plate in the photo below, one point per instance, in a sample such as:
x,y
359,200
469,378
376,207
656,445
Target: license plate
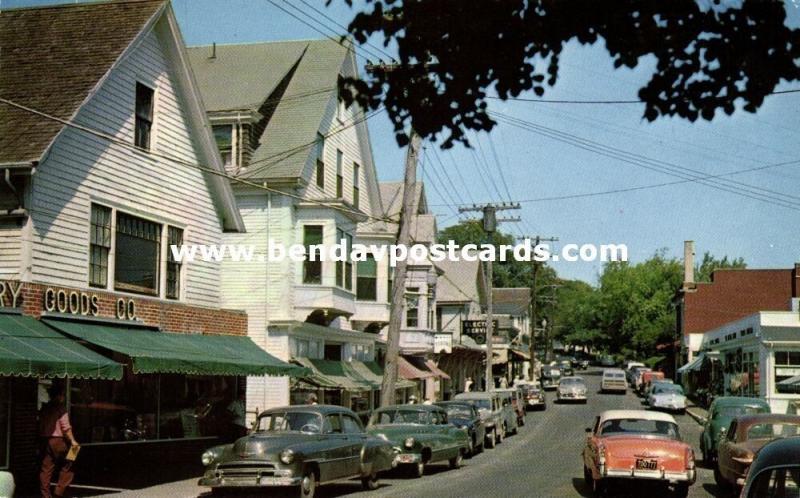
x,y
646,464
406,458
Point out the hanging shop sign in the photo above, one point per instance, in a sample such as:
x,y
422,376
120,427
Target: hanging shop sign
x,y
75,302
443,343
477,329
10,294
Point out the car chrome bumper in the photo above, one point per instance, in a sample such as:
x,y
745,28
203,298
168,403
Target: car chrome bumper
x,y
658,475
248,482
407,458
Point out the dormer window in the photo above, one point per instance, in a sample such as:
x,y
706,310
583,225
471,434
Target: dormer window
x,y
223,134
143,126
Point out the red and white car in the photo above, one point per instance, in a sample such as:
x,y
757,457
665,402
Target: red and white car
x,y
637,445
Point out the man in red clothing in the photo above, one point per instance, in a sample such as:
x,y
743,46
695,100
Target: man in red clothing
x,y
55,432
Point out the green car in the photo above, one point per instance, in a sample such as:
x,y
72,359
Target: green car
x,y
421,434
720,415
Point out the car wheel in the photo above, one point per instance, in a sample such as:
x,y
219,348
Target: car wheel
x,y
370,482
418,470
308,485
501,435
491,441
598,487
455,462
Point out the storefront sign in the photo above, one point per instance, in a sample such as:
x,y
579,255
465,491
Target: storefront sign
x,y
477,329
443,343
10,294
83,303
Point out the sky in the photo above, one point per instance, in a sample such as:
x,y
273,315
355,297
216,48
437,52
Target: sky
x,y
535,170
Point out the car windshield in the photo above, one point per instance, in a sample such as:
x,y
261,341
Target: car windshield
x,y
486,404
388,417
637,426
571,382
290,421
735,411
614,375
458,411
772,430
668,389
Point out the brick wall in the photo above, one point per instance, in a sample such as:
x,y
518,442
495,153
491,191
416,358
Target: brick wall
x,y
166,315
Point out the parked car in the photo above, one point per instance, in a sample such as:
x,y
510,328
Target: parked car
x,y
607,361
550,377
510,415
491,410
566,368
667,396
465,415
301,446
638,372
613,381
775,472
516,403
720,414
421,434
630,368
739,444
571,389
637,445
533,397
647,378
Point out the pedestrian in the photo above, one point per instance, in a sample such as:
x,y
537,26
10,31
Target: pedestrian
x,y
55,432
238,413
468,385
412,400
311,399
503,383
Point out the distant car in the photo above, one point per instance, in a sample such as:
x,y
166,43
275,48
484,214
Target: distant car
x,y
571,389
647,378
516,403
550,377
613,381
636,376
421,434
743,439
637,445
566,368
720,415
465,415
607,361
510,415
630,368
533,396
491,411
667,396
299,446
775,472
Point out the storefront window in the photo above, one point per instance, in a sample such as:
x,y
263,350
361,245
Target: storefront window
x,y
359,402
5,410
138,251
787,365
147,407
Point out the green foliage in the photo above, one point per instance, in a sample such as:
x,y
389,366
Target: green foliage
x,y
702,272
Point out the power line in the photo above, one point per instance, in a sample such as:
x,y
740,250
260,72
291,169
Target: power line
x,y
602,101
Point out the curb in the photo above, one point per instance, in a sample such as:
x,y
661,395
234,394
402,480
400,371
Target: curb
x,y
697,418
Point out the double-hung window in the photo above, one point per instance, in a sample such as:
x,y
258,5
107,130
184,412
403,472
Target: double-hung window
x,y
367,280
320,161
137,254
99,245
356,193
344,269
312,270
174,238
143,126
339,174
223,134
412,307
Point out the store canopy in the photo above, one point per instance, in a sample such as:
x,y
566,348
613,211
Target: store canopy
x,y
410,371
192,354
347,375
693,365
436,370
520,354
30,348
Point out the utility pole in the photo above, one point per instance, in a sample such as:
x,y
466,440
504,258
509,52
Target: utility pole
x,y
535,270
399,281
490,221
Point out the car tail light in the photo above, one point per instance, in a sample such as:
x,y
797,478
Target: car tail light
x,y
689,458
601,459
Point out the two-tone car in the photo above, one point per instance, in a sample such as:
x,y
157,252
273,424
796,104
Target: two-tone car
x,y
775,472
421,435
739,444
465,415
720,415
571,389
300,447
491,411
510,415
549,377
613,381
637,445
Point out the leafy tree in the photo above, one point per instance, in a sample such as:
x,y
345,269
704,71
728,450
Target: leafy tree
x,y
702,272
708,56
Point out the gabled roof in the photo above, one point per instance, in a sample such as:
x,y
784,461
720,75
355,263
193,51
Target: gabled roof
x,y
461,282
423,224
299,76
52,58
511,300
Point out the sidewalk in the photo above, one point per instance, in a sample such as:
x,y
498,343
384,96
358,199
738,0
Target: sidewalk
x,y
698,413
186,488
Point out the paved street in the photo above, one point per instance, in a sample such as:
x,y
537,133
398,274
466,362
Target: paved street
x,y
543,460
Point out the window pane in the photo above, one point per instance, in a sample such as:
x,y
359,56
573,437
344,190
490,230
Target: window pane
x,y
99,245
137,254
222,134
144,116
312,270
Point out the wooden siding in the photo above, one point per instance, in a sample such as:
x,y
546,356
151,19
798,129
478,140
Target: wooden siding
x,y
10,249
81,168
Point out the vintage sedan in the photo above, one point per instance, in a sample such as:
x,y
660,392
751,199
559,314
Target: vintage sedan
x,y
775,473
465,415
637,445
549,377
739,444
720,414
613,380
515,395
421,434
533,397
668,397
491,410
571,389
299,446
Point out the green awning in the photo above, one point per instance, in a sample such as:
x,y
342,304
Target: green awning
x,y
195,354
30,348
347,375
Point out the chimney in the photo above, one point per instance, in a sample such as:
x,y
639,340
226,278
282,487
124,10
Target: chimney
x,y
213,51
688,264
